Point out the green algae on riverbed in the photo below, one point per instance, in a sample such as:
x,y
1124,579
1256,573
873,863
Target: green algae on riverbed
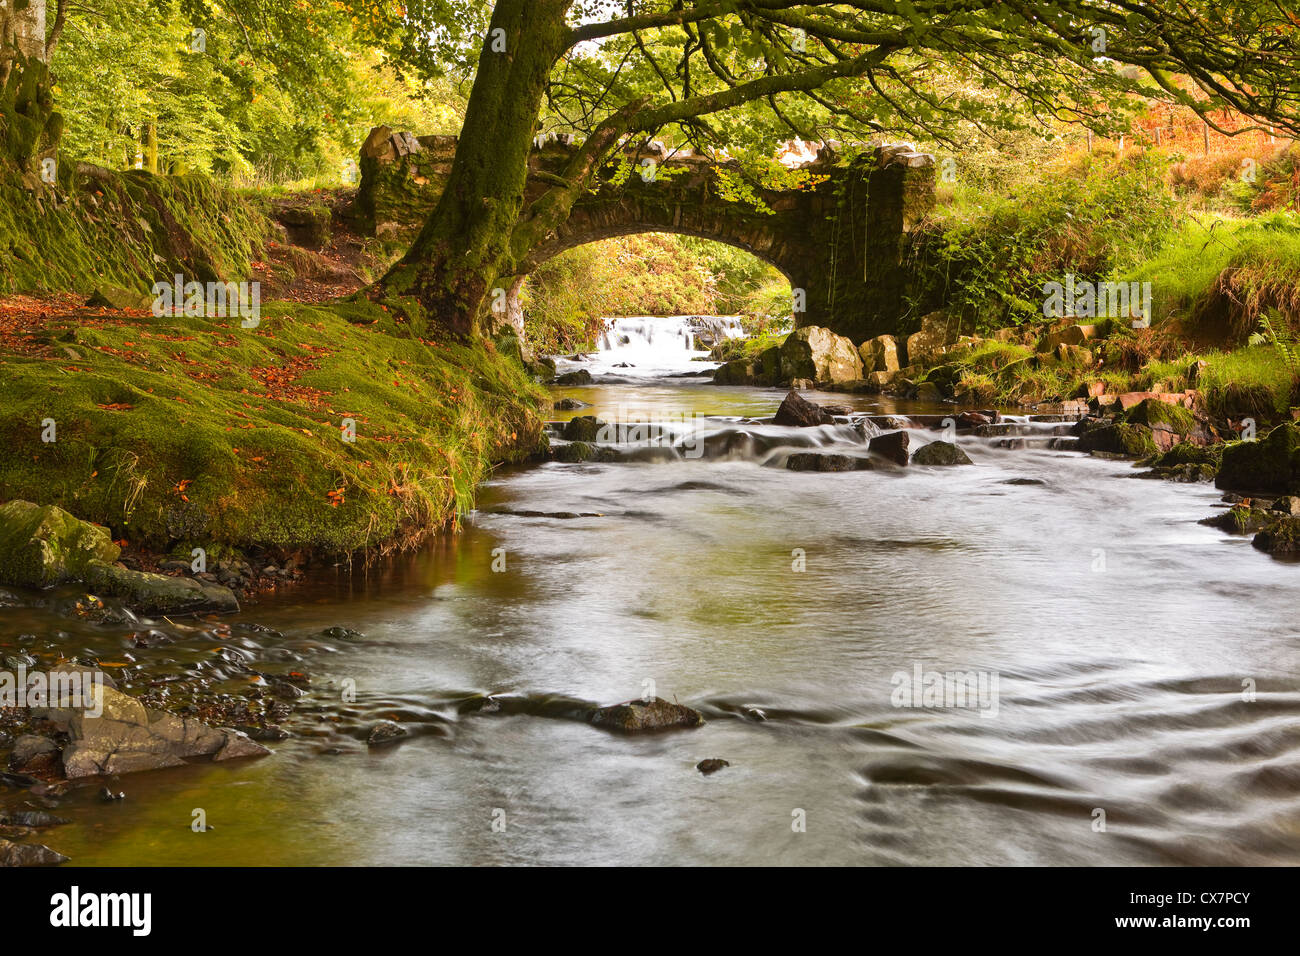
x,y
184,431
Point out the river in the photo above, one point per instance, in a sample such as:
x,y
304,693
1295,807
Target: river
x,y
1115,632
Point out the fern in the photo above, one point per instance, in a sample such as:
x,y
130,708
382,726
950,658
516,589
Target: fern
x,y
1276,332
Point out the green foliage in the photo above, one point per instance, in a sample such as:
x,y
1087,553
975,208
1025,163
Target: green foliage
x,y
1092,221
270,93
749,348
126,229
1218,275
1274,331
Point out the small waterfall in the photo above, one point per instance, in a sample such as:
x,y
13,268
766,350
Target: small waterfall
x,y
642,345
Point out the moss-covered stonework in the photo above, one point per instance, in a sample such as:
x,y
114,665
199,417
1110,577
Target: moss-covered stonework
x,y
839,237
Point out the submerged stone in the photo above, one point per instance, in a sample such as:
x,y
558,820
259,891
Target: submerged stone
x,y
640,716
813,461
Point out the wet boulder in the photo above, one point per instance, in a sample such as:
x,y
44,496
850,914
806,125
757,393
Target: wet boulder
x,y
1188,463
582,428
797,411
160,593
42,545
892,446
642,716
736,372
711,765
385,733
33,754
1280,536
819,355
580,377
579,451
1271,464
880,354
940,453
1117,438
122,735
928,392
29,854
1169,424
1240,519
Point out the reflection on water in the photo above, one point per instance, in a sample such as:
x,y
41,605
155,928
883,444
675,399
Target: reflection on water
x,y
1120,632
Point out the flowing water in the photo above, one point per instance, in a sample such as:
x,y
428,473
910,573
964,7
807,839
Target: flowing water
x,y
1123,641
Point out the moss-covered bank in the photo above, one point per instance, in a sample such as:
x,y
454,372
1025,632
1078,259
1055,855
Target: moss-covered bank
x,y
182,432
96,227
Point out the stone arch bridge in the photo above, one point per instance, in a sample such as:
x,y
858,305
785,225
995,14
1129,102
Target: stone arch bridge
x,y
838,234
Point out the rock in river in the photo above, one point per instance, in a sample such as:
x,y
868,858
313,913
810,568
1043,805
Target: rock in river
x,y
712,765
42,546
28,854
1269,465
127,736
892,446
940,453
383,734
797,411
160,593
815,461
640,716
580,377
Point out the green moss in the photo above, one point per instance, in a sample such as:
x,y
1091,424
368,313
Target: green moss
x,y
1186,453
1280,537
1119,438
125,230
41,545
1269,465
233,436
1153,412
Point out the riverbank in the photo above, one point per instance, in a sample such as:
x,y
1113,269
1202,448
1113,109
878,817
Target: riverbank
x,y
323,429
685,573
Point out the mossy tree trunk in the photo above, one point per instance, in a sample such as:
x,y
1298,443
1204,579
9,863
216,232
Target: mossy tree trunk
x,y
465,245
29,127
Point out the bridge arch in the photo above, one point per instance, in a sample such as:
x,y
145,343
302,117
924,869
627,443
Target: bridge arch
x,y
838,236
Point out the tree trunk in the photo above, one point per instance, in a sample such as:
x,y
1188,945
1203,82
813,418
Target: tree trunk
x,y
465,246
151,147
30,127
